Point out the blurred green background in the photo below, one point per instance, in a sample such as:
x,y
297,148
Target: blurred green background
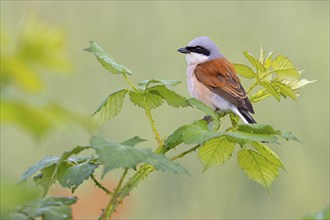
x,y
144,36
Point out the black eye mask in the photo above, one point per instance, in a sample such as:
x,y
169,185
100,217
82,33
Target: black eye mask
x,y
199,49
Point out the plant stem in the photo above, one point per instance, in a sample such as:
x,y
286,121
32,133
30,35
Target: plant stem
x,y
252,87
111,207
131,84
152,122
98,184
185,152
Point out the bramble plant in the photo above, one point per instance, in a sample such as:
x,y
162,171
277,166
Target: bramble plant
x,y
270,76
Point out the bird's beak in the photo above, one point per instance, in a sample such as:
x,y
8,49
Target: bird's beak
x,y
183,50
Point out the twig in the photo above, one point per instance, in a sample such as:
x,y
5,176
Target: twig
x,y
113,201
98,184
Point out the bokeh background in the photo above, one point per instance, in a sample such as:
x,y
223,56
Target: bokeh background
x,y
144,36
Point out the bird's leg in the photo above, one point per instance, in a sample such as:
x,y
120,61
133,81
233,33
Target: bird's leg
x,y
207,118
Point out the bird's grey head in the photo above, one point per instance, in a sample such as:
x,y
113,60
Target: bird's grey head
x,y
199,50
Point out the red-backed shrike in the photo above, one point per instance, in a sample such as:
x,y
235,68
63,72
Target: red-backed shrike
x,y
212,79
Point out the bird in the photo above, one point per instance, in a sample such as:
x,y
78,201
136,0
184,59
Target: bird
x,y
212,79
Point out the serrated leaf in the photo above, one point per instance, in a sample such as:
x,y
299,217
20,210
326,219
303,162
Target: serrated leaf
x,y
175,138
46,209
257,128
46,178
165,82
110,107
284,68
113,155
215,151
268,154
287,135
254,61
269,60
145,100
285,90
201,106
133,141
260,95
76,175
246,133
270,88
297,84
160,162
172,98
53,169
106,60
197,133
257,168
45,162
245,71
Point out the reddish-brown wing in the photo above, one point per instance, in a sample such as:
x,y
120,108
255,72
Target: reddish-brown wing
x,y
220,77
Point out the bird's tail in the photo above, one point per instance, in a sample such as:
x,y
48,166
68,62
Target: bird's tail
x,y
246,117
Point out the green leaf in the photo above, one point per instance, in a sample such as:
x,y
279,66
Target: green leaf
x,y
269,60
172,98
268,154
175,138
287,135
257,168
110,107
257,128
106,60
46,178
297,84
146,83
46,209
73,176
133,141
45,162
145,100
215,151
113,155
284,68
270,88
254,61
246,133
260,95
52,168
38,120
197,133
245,71
201,106
284,90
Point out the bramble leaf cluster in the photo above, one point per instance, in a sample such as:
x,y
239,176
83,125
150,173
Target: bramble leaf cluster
x,y
215,144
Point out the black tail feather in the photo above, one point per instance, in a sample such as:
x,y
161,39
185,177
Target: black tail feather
x,y
247,116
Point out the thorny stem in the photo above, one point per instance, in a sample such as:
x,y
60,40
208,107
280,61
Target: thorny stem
x,y
185,152
98,184
144,170
152,122
111,207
